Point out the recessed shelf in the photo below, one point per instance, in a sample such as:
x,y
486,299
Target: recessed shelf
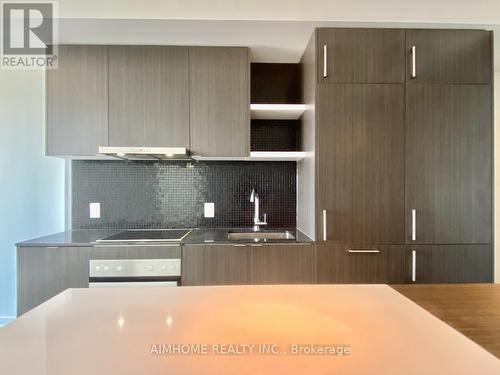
x,y
258,156
276,111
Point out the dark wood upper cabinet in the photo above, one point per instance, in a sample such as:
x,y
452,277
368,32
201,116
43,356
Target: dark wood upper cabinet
x,y
77,102
362,264
283,264
449,56
361,56
361,169
449,164
148,96
450,263
220,101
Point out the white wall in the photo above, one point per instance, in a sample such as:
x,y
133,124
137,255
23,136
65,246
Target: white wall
x,y
31,185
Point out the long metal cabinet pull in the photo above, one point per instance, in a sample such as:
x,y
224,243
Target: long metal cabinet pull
x,y
413,266
325,71
413,225
324,225
363,251
413,62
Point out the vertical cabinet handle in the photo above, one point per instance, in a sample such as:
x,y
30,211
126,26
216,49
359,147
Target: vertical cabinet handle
x,y
413,225
413,62
325,71
324,225
414,266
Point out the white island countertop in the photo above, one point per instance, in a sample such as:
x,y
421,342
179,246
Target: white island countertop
x,y
361,329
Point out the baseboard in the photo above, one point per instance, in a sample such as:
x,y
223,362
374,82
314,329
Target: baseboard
x,y
6,319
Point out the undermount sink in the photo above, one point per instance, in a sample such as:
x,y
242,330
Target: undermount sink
x,y
260,236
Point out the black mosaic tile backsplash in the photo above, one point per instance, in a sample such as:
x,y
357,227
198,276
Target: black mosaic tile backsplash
x,y
144,194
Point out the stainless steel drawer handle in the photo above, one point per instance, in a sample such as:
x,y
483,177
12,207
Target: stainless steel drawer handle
x,y
413,62
324,225
325,58
413,266
363,251
413,225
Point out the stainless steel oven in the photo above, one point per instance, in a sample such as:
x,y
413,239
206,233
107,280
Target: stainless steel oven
x,y
115,273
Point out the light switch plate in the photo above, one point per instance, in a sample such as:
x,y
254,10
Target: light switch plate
x,y
95,210
209,210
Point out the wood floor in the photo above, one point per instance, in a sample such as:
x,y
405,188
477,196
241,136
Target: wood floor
x,y
472,309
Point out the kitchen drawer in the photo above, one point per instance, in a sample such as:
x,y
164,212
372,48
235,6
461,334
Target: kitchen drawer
x,y
136,252
362,264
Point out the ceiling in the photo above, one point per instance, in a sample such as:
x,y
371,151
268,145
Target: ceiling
x,y
269,41
435,11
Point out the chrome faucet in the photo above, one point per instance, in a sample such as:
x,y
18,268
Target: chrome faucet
x,y
254,198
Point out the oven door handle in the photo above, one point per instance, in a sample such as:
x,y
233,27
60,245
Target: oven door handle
x,y
131,284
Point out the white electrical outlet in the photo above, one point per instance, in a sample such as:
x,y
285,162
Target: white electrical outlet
x,y
209,210
95,210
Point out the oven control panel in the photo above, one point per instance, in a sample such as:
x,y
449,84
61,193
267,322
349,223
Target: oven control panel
x,y
135,268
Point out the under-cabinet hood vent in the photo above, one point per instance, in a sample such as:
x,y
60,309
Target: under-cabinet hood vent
x,y
146,153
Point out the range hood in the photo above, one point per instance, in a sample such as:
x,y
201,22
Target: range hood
x,y
146,153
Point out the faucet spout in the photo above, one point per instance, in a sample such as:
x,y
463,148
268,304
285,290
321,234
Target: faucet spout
x,y
255,199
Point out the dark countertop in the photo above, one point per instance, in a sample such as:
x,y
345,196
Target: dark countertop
x,y
82,238
70,238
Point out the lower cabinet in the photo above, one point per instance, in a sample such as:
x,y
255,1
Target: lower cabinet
x,y
371,264
43,272
283,264
215,265
450,263
248,264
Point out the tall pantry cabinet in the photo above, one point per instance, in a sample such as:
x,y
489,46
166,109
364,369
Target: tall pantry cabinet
x,y
403,155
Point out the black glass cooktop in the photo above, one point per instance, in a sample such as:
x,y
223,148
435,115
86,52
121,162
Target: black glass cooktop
x,y
159,235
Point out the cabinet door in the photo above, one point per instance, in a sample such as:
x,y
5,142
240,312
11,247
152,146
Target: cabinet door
x,y
362,264
77,102
449,185
148,96
361,56
449,56
283,264
220,101
43,272
450,263
215,264
361,171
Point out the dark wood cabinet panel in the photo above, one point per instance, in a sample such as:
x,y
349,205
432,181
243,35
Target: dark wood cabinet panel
x,y
449,163
148,96
362,264
220,101
361,169
283,264
361,56
135,252
215,264
452,263
43,272
449,56
77,102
